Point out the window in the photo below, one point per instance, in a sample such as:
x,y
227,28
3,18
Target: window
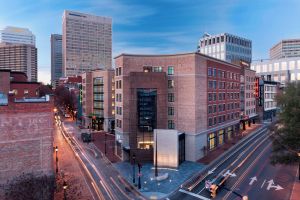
x,y
209,109
215,96
210,95
171,111
171,124
215,120
170,84
157,69
171,97
26,91
215,108
215,72
170,70
147,69
210,122
209,72
215,84
210,84
15,91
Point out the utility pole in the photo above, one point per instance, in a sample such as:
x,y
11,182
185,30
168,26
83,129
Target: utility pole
x,y
139,184
133,169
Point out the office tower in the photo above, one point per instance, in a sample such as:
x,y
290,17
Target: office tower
x,y
17,35
285,49
226,47
56,59
20,58
195,94
87,43
280,70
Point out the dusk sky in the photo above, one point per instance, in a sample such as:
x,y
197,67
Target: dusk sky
x,y
159,26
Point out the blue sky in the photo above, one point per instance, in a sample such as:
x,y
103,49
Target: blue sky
x,y
160,26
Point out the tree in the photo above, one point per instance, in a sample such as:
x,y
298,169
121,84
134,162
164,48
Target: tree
x,y
45,89
29,186
65,98
286,133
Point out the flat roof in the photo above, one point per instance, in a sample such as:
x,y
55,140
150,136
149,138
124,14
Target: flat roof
x,y
179,54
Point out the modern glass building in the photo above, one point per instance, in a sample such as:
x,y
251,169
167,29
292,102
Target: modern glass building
x,y
225,46
56,59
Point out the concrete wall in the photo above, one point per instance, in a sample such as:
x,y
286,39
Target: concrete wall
x,y
167,148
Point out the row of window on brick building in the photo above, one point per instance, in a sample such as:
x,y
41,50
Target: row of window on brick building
x,y
222,96
222,118
212,84
222,107
213,72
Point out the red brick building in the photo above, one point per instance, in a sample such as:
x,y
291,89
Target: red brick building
x,y
26,138
193,93
16,83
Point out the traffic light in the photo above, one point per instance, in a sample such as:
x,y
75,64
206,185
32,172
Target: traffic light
x,y
213,190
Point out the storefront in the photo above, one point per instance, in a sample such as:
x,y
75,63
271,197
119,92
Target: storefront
x,y
211,141
221,137
229,133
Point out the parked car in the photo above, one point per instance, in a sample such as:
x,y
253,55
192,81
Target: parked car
x,y
86,137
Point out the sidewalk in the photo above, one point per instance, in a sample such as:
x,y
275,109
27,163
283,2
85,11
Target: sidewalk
x,y
296,188
69,171
100,140
213,154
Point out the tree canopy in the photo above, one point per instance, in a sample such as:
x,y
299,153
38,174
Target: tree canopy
x,y
286,133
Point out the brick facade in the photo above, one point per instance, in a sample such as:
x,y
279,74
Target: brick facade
x,y
187,104
26,139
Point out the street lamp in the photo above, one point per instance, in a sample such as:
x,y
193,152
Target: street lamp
x,y
56,150
65,186
299,166
105,143
133,169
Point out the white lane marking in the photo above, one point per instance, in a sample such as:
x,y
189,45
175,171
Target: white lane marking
x,y
230,174
193,194
272,185
211,171
263,184
252,180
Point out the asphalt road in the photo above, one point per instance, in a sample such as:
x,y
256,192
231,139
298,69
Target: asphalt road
x,y
247,171
102,178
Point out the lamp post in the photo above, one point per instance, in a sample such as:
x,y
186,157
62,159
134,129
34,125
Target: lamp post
x,y
65,186
105,143
156,171
139,175
56,150
299,166
133,169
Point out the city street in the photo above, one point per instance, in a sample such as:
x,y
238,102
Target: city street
x,y
104,179
246,171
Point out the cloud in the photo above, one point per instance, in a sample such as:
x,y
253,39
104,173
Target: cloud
x,y
121,12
